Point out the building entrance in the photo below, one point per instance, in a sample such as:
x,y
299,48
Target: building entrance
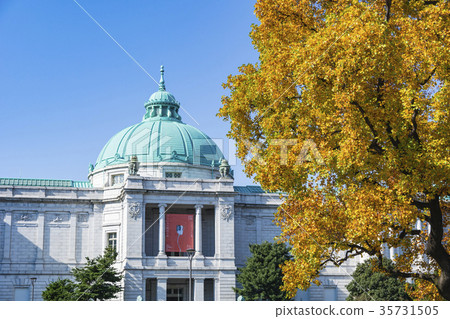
x,y
175,294
178,290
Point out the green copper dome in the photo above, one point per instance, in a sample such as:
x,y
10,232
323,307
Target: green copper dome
x,y
160,137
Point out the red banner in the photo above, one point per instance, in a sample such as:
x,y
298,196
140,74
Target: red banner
x,y
179,232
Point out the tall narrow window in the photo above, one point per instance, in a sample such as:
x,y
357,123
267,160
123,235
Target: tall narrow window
x,y
21,294
330,293
112,240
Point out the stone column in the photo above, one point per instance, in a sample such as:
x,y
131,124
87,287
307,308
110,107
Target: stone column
x,y
162,230
419,226
216,289
259,230
392,253
7,243
198,231
216,232
73,238
199,289
385,250
40,241
161,289
95,222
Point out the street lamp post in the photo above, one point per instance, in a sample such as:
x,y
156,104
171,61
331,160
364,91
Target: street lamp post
x,y
33,280
190,253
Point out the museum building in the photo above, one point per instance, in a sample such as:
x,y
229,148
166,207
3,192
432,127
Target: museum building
x,y
159,189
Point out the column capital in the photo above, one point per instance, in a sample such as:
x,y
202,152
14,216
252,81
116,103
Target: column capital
x,y
198,206
162,205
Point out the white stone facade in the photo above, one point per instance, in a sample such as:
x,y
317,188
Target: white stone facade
x,y
45,231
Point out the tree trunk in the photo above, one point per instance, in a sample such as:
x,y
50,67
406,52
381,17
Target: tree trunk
x,y
436,250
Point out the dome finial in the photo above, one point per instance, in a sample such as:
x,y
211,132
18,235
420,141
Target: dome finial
x,y
162,85
162,105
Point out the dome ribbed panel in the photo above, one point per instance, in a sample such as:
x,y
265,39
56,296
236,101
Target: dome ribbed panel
x,y
172,144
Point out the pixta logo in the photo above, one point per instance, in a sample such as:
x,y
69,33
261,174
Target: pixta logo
x,y
308,152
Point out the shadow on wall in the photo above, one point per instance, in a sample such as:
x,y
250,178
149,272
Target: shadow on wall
x,y
28,250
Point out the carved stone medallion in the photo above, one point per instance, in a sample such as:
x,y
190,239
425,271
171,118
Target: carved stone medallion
x,y
226,212
134,209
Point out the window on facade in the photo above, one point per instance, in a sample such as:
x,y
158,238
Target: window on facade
x,y
150,289
208,289
22,294
117,179
112,240
330,293
173,175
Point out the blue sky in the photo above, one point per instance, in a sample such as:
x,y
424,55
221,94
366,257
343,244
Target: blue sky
x,y
66,87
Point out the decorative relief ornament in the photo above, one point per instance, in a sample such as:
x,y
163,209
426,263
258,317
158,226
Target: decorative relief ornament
x,y
57,219
226,212
134,209
25,217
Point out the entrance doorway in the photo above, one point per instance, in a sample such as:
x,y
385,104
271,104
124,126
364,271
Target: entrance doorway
x,y
175,294
178,290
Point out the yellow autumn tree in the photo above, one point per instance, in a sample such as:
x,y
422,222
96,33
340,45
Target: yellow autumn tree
x,y
347,112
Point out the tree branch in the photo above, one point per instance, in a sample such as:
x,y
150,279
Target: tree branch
x,y
412,232
374,144
299,18
404,232
338,262
366,119
420,204
413,134
425,81
394,141
428,277
396,273
353,251
298,97
388,9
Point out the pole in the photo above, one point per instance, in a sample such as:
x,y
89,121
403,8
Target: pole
x,y
190,253
190,278
33,280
